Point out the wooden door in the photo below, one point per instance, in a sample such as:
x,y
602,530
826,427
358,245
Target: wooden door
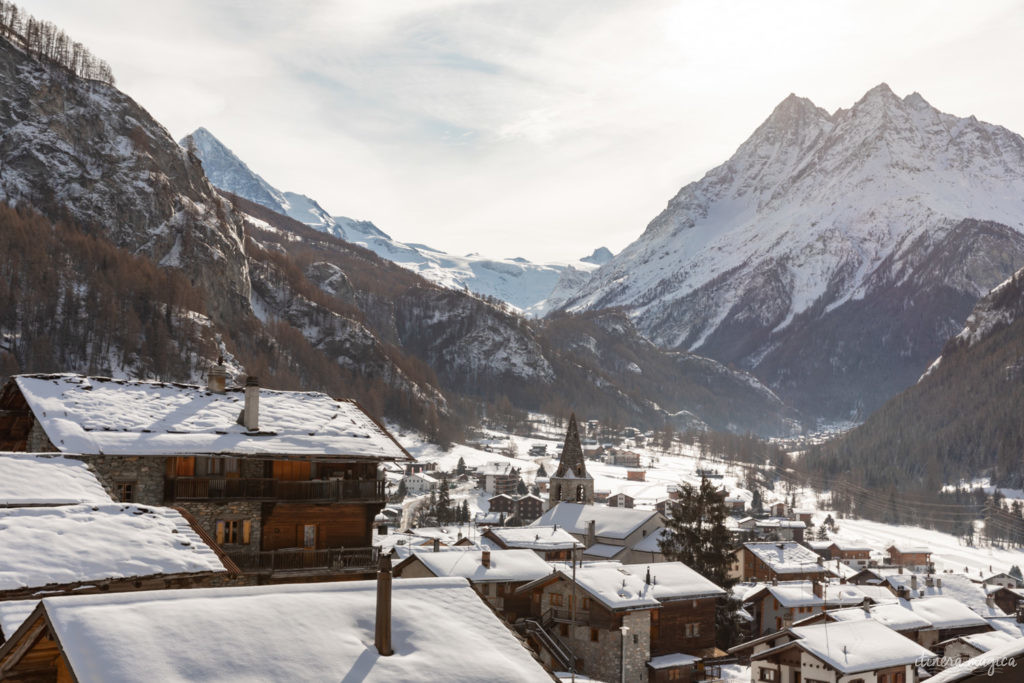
x,y
309,536
291,470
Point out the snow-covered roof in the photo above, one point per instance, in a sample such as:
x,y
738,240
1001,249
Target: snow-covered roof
x,y
299,632
650,542
818,545
855,646
535,537
617,588
92,415
505,565
13,614
779,523
673,580
672,661
946,612
906,548
37,479
957,586
896,615
995,659
91,542
849,546
610,522
786,557
983,642
851,594
1008,625
604,550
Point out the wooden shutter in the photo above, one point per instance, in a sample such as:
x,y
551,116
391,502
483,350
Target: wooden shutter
x,y
220,532
186,466
246,530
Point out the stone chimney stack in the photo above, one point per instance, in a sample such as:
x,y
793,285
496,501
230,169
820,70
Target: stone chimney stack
x,y
591,533
913,582
217,377
437,545
938,583
382,628
818,588
929,581
485,559
251,412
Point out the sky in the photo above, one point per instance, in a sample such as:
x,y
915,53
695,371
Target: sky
x,y
533,128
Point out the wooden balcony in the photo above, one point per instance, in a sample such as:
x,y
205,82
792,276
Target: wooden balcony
x,y
325,560
316,490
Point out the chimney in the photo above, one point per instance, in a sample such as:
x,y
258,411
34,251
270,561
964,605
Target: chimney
x,y
251,412
819,588
787,620
647,579
990,601
485,559
217,377
437,545
591,533
938,583
1020,611
913,582
382,629
901,569
929,581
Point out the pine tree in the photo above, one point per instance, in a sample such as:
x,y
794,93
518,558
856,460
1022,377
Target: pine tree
x,y
461,467
1016,573
444,501
757,503
521,488
464,511
822,534
696,535
541,472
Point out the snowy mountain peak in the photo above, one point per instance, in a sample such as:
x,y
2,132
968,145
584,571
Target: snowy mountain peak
x,y
226,171
817,212
600,256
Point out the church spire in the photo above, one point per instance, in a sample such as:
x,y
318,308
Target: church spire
x,y
571,462
571,483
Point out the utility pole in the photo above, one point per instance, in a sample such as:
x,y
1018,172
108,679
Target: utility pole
x,y
624,630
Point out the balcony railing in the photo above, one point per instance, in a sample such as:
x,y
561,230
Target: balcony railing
x,y
297,559
324,490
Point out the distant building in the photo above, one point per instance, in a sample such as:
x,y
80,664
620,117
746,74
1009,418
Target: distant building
x,y
549,542
781,561
607,533
915,558
421,482
498,477
621,500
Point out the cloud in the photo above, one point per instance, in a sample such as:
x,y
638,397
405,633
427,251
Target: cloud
x,y
525,127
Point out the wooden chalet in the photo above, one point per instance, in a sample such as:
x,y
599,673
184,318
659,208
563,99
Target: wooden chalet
x,y
782,561
287,483
915,558
549,542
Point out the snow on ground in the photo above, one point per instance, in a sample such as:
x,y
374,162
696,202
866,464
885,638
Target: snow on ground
x,y
948,552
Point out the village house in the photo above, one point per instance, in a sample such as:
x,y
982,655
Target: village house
x,y
1003,579
855,555
498,477
913,558
957,586
623,458
621,500
778,605
60,532
334,631
667,609
494,574
781,561
1009,600
286,482
735,503
842,652
549,542
605,532
418,483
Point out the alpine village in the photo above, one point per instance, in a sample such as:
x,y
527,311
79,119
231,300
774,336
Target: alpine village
x,y
775,438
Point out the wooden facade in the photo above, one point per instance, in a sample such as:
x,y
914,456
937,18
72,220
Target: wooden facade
x,y
684,625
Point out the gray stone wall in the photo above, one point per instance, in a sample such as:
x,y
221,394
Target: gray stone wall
x,y
146,471
602,659
37,441
207,514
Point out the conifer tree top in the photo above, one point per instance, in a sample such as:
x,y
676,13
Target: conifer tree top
x,y
571,463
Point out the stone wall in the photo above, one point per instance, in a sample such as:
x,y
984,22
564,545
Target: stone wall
x,y
602,659
147,472
37,441
207,513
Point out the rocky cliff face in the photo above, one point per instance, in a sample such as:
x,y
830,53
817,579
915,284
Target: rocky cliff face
x,y
84,150
833,254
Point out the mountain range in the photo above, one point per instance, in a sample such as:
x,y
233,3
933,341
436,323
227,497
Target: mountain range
x,y
122,259
832,255
531,288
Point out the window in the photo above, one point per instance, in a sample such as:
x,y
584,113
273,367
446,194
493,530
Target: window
x,y
692,630
556,599
768,675
234,531
586,603
594,635
674,674
125,491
